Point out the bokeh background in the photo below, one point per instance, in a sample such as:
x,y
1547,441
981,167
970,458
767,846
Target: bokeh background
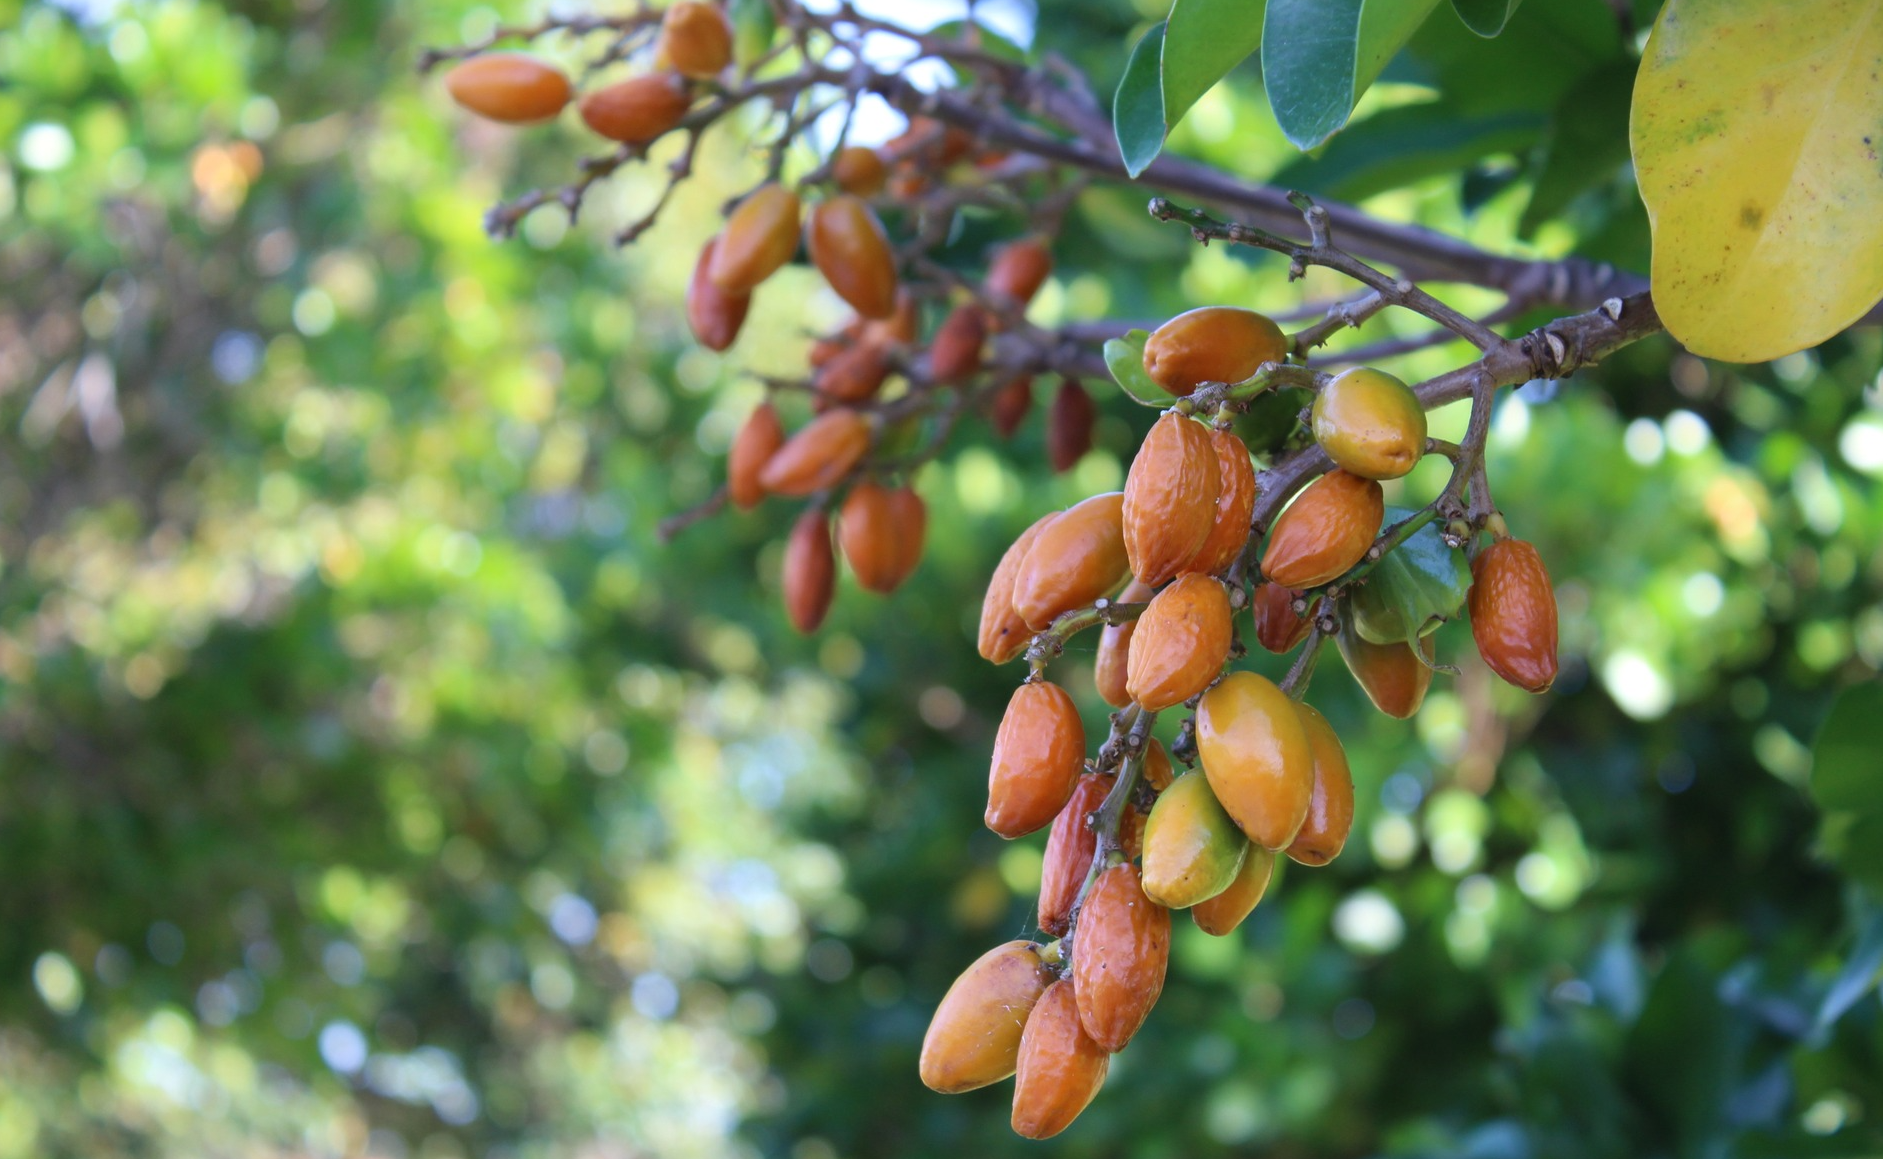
x,y
372,781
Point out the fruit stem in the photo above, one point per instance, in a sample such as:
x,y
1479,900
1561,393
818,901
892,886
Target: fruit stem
x,y
1295,684
1052,640
1131,736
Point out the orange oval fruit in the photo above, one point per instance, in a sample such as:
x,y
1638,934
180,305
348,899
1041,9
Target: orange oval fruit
x,y
1078,557
1276,625
810,572
1170,497
758,440
1038,754
1393,677
1010,405
1121,947
639,109
1369,423
1060,1068
853,374
974,1038
509,87
1181,642
695,39
1019,269
819,455
1069,848
1003,633
1069,426
1255,751
1324,532
956,351
1157,768
1211,344
1192,850
1330,809
1112,663
714,315
911,519
859,170
899,329
1235,506
1513,614
760,236
848,246
870,538
1220,915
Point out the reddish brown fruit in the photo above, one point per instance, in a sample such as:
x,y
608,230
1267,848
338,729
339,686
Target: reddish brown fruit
x,y
911,518
819,455
956,351
507,87
639,109
1276,625
1114,650
1170,497
695,39
1019,270
758,440
1038,753
1324,532
1393,677
1060,1068
974,1038
1010,406
1078,558
1157,768
1003,633
1235,506
858,170
1069,426
1220,915
760,236
1211,344
906,183
899,329
930,142
870,538
848,246
1118,963
1513,614
1330,809
713,315
810,572
853,374
1181,642
1069,848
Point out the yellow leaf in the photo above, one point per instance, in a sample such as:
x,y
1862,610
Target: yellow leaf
x,y
1757,132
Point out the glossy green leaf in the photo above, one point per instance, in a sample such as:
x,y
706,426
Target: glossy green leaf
x,y
1485,17
1124,357
1203,41
1845,784
1413,589
1319,56
1137,109
1398,146
1586,144
1756,142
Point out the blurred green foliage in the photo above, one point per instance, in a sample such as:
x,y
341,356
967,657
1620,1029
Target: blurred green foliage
x,y
372,780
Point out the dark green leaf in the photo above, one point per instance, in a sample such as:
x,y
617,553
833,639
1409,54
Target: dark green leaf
x,y
1845,784
1859,975
1398,146
1415,587
1124,357
1137,110
1485,17
1319,56
1587,142
1203,40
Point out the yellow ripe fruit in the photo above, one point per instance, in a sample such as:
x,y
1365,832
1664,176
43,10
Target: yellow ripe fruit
x,y
1255,751
1170,497
974,1038
1330,809
760,236
1077,558
508,87
1180,643
1192,850
1211,344
1220,915
1369,423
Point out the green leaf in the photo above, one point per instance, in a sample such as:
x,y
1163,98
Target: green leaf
x,y
753,29
1845,785
1137,110
1203,41
1858,977
1587,143
1413,589
1124,357
1319,56
1398,146
1485,17
1756,143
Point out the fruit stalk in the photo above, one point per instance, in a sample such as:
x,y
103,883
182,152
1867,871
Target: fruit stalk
x,y
1130,739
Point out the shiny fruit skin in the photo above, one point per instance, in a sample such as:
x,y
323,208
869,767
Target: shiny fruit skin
x,y
1235,506
859,170
1157,768
1003,633
1192,850
1255,750
1170,497
760,236
849,247
1069,849
810,572
1180,644
911,519
974,1038
1010,406
1220,915
1060,1068
1069,426
639,109
956,351
1393,678
713,315
758,440
1513,614
1211,344
1324,532
695,39
1112,663
871,540
508,87
1077,559
1369,423
819,455
1019,270
1120,952
1277,627
1038,754
853,374
1330,809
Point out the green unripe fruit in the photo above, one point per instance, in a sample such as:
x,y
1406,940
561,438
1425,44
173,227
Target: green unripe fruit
x,y
1370,424
1192,849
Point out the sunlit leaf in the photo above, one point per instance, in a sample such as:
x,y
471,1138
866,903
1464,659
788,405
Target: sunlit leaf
x,y
1138,106
1319,56
1759,152
1203,41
